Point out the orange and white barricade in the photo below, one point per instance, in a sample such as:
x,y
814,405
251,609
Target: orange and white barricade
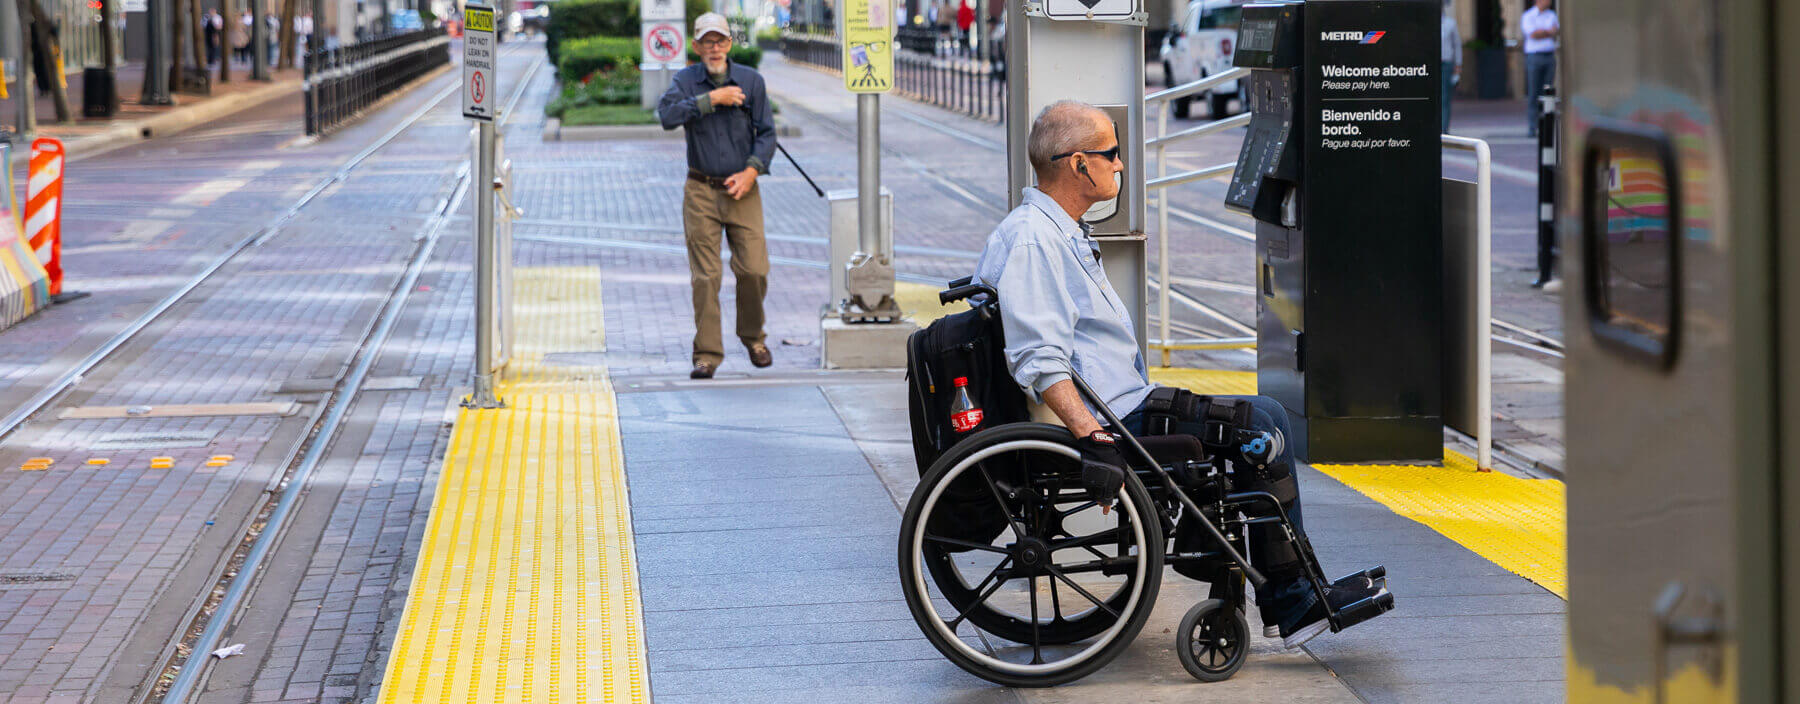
x,y
43,207
24,285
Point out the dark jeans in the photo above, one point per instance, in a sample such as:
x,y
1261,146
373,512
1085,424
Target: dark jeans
x,y
1287,589
1447,70
1540,71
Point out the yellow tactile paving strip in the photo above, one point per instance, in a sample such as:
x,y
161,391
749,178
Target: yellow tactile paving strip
x,y
1519,524
526,584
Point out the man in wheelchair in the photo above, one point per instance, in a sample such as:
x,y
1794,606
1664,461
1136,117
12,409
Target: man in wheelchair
x,y
1060,313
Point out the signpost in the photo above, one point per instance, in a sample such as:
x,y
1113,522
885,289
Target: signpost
x,y
663,41
478,63
868,30
479,95
664,33
1095,10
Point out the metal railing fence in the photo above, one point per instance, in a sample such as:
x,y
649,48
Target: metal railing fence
x,y
820,50
341,82
973,87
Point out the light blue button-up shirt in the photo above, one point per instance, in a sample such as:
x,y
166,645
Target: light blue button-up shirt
x,y
1058,309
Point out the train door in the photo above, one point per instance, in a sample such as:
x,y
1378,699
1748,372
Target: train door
x,y
1672,323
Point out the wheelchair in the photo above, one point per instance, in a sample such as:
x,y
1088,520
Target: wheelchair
x,y
1015,574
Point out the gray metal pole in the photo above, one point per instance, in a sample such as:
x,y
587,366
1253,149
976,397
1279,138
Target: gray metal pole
x,y
27,88
259,42
156,66
485,279
315,41
868,173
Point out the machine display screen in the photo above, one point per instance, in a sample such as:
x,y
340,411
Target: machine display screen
x,y
1257,36
1268,36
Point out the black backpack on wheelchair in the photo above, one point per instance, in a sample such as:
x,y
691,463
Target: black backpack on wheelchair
x,y
967,344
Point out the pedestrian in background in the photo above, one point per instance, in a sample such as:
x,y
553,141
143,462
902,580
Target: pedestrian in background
x,y
214,24
730,130
1541,29
1450,54
965,20
240,38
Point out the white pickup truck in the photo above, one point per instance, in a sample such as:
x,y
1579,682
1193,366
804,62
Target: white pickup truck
x,y
1200,45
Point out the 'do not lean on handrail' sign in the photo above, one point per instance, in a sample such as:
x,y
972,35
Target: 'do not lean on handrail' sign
x,y
1094,10
478,89
867,27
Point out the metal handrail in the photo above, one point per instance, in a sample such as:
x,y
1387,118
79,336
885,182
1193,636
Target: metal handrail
x,y
1190,88
1237,120
1484,295
1189,176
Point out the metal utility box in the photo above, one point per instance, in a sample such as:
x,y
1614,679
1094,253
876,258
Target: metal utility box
x,y
844,245
1341,168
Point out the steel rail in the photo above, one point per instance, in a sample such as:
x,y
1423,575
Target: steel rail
x,y
73,376
274,527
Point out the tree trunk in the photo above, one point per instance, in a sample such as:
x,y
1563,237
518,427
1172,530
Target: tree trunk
x,y
108,11
226,18
197,34
40,28
290,9
177,57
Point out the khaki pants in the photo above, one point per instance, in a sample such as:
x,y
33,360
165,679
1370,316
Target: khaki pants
x,y
705,211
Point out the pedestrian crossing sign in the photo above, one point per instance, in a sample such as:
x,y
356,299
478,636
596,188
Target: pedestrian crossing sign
x,y
867,27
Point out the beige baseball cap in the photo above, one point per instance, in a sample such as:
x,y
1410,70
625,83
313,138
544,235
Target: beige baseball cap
x,y
711,22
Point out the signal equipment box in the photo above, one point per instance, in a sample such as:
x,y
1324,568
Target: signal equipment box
x,y
1341,168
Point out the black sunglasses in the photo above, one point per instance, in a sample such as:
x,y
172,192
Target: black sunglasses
x,y
1107,154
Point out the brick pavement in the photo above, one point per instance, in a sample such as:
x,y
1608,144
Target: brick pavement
x,y
112,545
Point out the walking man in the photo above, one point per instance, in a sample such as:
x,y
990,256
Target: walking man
x,y
1450,55
730,141
1541,27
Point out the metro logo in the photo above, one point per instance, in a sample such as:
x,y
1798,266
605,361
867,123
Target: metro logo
x,y
1358,37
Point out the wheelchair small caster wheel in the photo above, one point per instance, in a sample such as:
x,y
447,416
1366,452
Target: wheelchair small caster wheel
x,y
1213,641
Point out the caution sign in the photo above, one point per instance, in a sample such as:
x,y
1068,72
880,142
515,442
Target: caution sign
x,y
663,41
478,89
868,31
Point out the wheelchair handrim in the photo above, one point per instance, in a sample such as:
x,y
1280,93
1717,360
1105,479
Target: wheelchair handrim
x,y
918,541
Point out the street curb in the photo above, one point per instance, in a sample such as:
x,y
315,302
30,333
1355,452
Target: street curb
x,y
554,131
171,122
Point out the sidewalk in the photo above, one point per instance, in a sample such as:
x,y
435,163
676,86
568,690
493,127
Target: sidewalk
x,y
135,121
764,502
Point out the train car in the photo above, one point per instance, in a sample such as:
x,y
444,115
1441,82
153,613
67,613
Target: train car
x,y
1681,223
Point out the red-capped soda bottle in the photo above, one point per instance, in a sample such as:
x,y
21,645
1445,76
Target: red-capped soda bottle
x,y
964,414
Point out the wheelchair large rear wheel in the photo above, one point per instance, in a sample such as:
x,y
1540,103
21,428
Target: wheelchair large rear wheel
x,y
1059,592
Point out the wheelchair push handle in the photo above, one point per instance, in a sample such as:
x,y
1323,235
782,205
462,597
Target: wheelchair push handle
x,y
962,288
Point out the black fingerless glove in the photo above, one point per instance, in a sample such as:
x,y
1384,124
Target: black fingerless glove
x,y
1102,466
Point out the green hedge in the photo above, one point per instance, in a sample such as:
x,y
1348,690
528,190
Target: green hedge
x,y
575,19
614,86
746,55
582,57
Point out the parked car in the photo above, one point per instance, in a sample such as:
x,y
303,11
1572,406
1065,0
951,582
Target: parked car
x,y
405,21
1200,45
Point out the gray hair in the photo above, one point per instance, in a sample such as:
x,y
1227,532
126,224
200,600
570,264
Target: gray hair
x,y
1062,126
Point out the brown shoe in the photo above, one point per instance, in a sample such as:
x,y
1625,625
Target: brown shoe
x,y
760,355
703,370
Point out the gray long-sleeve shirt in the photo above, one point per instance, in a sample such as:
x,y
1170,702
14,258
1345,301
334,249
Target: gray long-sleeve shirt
x,y
721,140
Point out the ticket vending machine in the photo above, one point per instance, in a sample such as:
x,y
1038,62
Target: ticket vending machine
x,y
1340,168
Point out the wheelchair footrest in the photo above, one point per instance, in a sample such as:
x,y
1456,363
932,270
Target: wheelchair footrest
x,y
1358,612
1375,576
